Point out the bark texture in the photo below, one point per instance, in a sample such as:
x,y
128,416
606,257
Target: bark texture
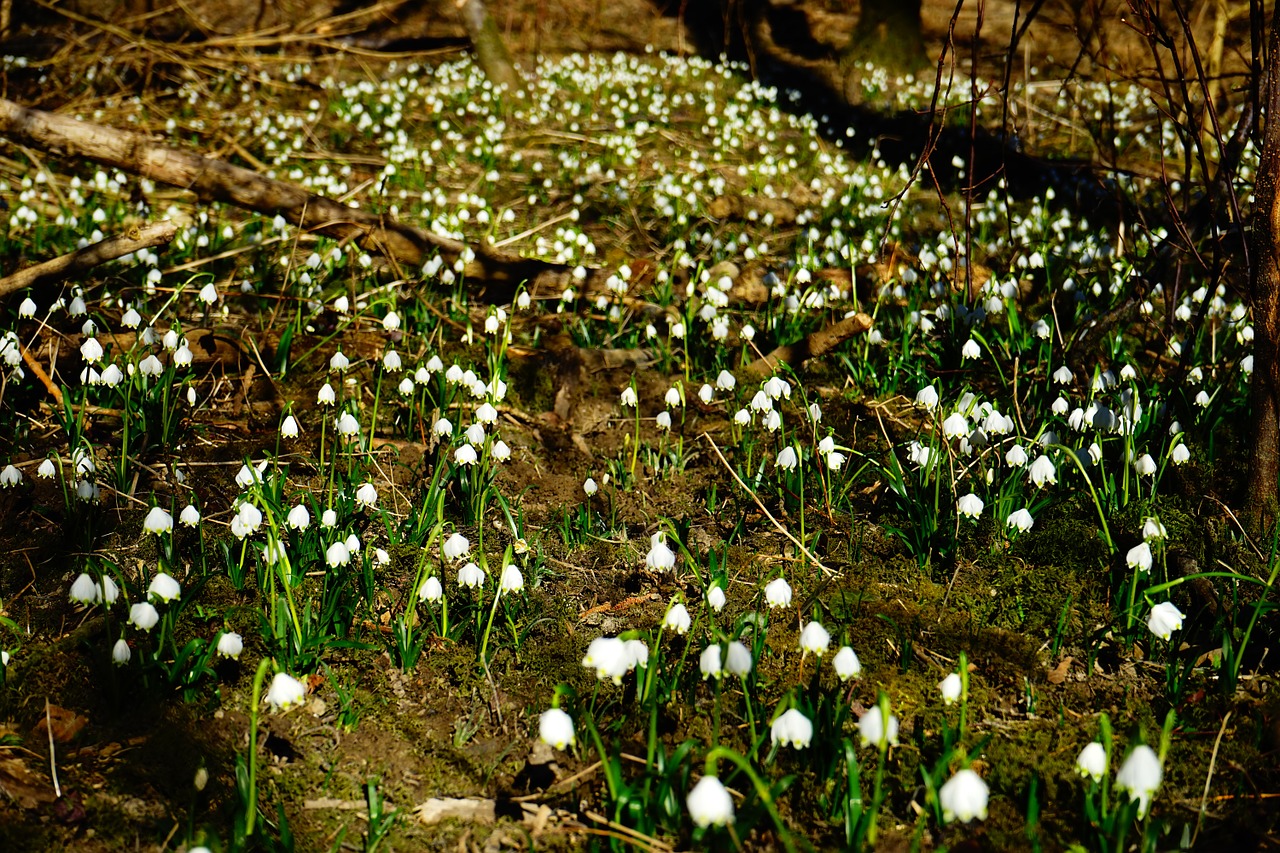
x,y
1265,293
491,52
888,34
65,266
499,273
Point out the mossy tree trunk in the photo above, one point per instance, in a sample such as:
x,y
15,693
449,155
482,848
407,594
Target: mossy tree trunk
x,y
889,34
1264,284
491,51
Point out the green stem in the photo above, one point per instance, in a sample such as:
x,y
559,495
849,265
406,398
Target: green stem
x,y
253,745
762,790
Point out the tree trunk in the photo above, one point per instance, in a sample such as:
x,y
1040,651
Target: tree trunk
x,y
1264,283
491,52
218,181
888,34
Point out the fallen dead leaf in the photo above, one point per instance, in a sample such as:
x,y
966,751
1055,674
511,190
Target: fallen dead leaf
x,y
1058,674
20,784
64,724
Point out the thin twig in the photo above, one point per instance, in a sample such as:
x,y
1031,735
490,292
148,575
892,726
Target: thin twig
x,y
781,529
53,764
1213,759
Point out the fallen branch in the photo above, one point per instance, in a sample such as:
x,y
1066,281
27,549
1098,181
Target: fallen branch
x,y
817,344
155,234
216,180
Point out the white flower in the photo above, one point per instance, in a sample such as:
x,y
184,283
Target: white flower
x,y
248,518
208,294
120,652
738,659
1164,619
1153,529
772,420
963,797
660,558
1062,375
791,728
500,452
872,729
28,309
709,662
609,657
672,399
337,555
637,654
1042,472
1020,520
628,398
778,593
1145,466
150,366
465,455
471,576
144,615
1016,456
158,521
391,322
590,487
955,426
1180,454
328,519
555,728
949,687
190,516
927,398
367,494
970,350
289,427
164,588
1092,761
11,476
706,393
442,427
299,518
381,555
1139,557
285,692
787,459
709,803
663,421
339,363
456,547
91,351
677,619
347,424
486,413
725,381
715,598
1140,776
814,638
970,505
326,395
846,664
230,645
84,590
46,470
430,590
511,580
